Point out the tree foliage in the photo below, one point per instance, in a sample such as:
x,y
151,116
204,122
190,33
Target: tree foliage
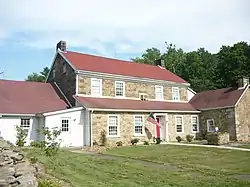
x,y
39,77
202,69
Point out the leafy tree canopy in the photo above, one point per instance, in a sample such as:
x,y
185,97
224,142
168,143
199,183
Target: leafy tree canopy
x,y
38,77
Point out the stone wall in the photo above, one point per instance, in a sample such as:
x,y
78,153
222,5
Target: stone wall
x,y
243,119
66,81
14,169
100,122
223,118
132,89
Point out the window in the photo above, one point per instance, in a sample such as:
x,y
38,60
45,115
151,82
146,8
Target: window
x,y
96,86
119,88
143,96
25,123
113,125
195,124
175,94
210,125
158,92
65,125
138,125
53,73
179,124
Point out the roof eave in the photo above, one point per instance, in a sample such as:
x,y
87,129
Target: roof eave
x,y
134,110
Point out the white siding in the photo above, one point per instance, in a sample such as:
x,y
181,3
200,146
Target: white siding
x,y
190,94
8,129
75,136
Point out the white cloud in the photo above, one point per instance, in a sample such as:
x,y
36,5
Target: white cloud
x,y
128,26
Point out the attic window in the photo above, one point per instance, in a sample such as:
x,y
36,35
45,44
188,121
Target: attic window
x,y
143,96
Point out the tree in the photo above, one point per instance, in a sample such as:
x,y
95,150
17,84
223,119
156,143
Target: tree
x,y
234,63
149,56
39,77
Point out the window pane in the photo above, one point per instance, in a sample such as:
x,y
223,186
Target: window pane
x,y
195,124
175,93
159,92
65,125
179,124
119,89
113,125
138,125
25,123
96,87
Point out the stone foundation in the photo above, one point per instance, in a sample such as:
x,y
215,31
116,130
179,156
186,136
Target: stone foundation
x,y
14,169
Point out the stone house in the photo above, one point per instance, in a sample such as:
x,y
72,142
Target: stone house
x,y
227,108
118,96
86,94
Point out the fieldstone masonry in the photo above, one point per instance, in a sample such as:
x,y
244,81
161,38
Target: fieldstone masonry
x,y
132,89
14,169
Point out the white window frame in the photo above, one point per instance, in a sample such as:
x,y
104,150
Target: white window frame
x,y
182,122
208,120
95,94
159,96
118,125
198,123
123,88
65,118
143,125
175,97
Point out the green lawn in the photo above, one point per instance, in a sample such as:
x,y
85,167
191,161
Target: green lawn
x,y
244,146
85,170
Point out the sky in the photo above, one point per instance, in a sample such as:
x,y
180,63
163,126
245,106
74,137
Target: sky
x,y
124,29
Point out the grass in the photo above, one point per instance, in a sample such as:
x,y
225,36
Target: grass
x,y
244,146
85,170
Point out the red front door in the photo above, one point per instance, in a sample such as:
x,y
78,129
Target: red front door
x,y
157,128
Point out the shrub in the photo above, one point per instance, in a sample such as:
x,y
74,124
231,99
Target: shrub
x,y
158,140
213,138
38,144
154,139
145,142
178,138
103,138
33,160
48,183
189,138
21,136
52,145
119,144
134,141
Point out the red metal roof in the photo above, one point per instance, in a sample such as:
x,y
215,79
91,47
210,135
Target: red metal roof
x,y
119,67
216,98
22,97
132,104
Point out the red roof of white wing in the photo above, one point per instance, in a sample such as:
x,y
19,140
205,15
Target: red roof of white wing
x,y
119,67
23,97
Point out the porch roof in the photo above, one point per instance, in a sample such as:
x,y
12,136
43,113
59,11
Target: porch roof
x,y
132,104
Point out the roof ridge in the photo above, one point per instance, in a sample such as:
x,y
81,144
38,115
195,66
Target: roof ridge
x,y
21,81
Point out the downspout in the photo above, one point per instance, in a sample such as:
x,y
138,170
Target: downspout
x,y
91,131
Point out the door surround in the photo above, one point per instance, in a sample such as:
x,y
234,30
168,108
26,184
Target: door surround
x,y
165,120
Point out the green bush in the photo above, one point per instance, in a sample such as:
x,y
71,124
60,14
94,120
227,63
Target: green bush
x,y
134,141
189,138
119,144
178,138
103,138
48,183
21,136
145,142
158,140
38,144
213,138
33,160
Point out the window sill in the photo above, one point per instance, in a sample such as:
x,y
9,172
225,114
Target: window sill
x,y
115,136
195,132
179,132
139,135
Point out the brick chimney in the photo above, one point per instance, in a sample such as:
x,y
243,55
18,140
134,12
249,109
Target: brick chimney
x,y
160,62
61,46
243,82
